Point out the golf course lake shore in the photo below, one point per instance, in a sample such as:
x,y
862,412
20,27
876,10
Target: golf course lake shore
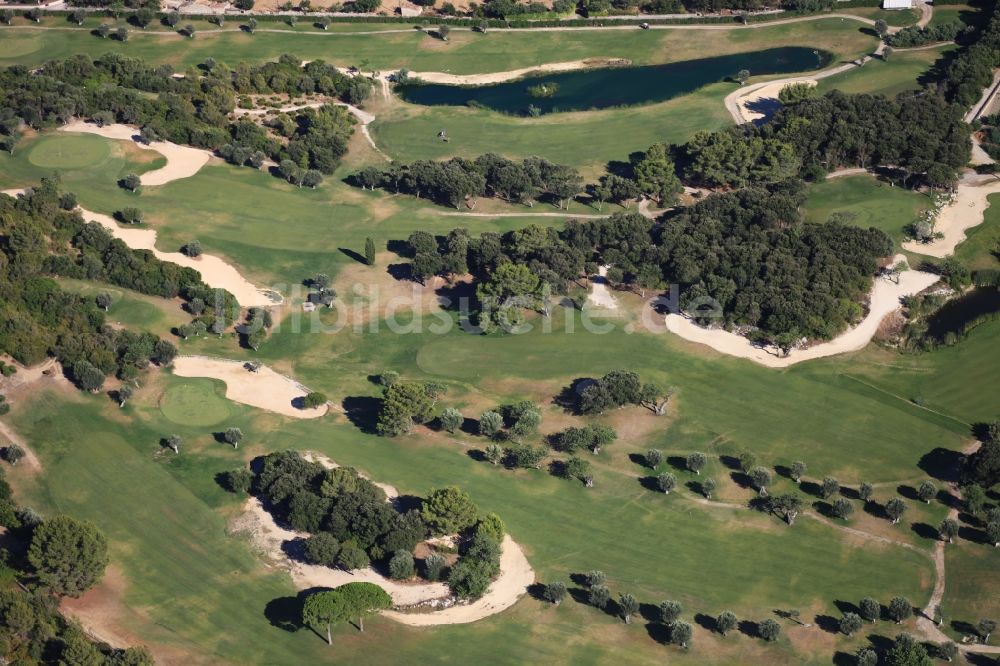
x,y
608,87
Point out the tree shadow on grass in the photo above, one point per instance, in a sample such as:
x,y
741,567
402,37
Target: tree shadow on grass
x,y
909,492
844,659
706,622
748,628
678,462
811,488
650,612
659,632
880,643
925,531
537,591
362,412
963,627
846,607
650,483
828,623
285,613
941,464
401,272
353,255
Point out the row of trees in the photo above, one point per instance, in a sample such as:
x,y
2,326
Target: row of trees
x,y
461,180
40,319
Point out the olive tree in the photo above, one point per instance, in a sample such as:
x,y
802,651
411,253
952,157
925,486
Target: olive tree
x,y
696,462
926,492
726,622
900,609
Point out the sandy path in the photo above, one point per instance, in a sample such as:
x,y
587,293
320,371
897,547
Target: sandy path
x,y
600,297
182,161
885,298
769,91
215,272
966,211
265,388
500,77
515,576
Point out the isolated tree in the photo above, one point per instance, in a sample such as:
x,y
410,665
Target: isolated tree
x,y
948,529
769,630
251,25
555,592
401,565
69,556
124,394
103,30
707,488
895,508
797,471
370,251
866,657
314,399
666,482
652,396
174,443
927,491
900,609
13,453
121,34
628,606
192,248
726,622
947,651
742,76
189,30
433,567
696,462
830,487
494,453
681,633
870,609
595,577
760,478
490,424
443,32
653,458
599,596
747,461
788,506
78,16
233,436
993,532
449,510
451,419
866,491
886,52
670,611
577,468
985,628
850,623
881,28
842,508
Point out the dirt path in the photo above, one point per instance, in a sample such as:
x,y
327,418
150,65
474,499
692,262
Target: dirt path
x,y
967,210
215,271
500,77
885,298
182,161
265,389
30,460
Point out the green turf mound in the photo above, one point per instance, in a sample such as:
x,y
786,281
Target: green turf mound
x,y
196,402
69,151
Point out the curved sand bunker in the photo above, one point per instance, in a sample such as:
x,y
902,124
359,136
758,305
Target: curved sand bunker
x,y
500,77
182,161
967,210
515,576
750,103
265,388
215,272
885,299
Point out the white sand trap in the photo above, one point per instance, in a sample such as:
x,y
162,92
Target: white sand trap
x,y
265,388
965,212
215,272
182,161
766,92
515,576
885,298
600,300
499,77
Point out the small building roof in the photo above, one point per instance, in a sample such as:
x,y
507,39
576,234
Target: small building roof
x,y
897,4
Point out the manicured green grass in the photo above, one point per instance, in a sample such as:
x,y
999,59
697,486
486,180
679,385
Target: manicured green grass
x,y
895,17
132,309
903,71
198,402
464,53
981,247
872,202
971,593
69,151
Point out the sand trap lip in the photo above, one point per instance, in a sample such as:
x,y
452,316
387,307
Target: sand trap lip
x,y
885,298
265,389
515,576
215,272
500,77
182,161
965,212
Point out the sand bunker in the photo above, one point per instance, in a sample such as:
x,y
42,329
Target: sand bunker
x,y
265,388
600,300
966,211
515,576
885,298
500,77
182,161
215,272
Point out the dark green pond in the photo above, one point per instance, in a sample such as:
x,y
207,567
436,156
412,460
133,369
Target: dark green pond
x,y
615,86
957,316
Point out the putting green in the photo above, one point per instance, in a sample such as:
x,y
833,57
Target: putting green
x,y
69,151
196,402
20,45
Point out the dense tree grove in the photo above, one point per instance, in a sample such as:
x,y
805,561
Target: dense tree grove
x,y
461,180
40,319
192,109
983,466
913,35
353,524
968,74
